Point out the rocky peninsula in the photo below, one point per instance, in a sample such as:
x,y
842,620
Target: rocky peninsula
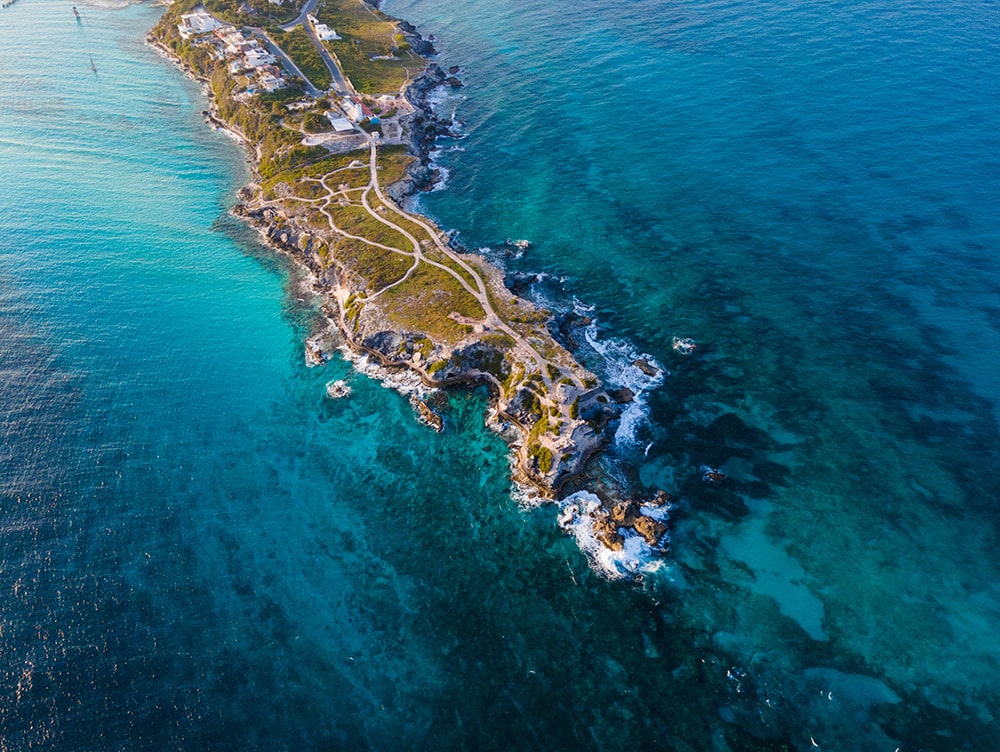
x,y
331,166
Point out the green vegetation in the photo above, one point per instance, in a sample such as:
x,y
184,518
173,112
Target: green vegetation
x,y
290,157
491,362
434,254
509,384
574,409
299,47
353,219
499,340
424,303
315,122
250,12
352,308
354,178
392,164
280,96
366,33
542,455
424,346
378,268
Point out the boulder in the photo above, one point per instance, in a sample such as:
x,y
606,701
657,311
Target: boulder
x,y
622,396
607,533
646,367
624,513
427,416
651,530
660,498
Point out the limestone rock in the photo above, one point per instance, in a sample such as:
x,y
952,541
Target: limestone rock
x,y
607,533
622,396
651,530
646,367
427,415
624,513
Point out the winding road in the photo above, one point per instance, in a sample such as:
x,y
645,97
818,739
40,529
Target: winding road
x,y
543,366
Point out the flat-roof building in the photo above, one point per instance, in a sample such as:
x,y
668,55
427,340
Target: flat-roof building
x,y
340,124
198,22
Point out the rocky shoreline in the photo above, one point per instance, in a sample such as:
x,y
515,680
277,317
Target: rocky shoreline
x,y
575,408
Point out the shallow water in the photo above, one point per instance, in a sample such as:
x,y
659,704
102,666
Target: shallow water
x,y
200,550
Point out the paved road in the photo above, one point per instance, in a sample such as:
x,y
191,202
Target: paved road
x,y
480,294
340,82
308,8
286,61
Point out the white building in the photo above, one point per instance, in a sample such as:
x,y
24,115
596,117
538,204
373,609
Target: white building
x,y
256,57
353,109
340,125
198,22
269,82
233,41
323,31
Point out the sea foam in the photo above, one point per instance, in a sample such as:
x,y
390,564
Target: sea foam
x,y
635,559
619,370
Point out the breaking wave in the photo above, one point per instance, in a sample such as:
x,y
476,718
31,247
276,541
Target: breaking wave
x,y
402,380
636,557
621,370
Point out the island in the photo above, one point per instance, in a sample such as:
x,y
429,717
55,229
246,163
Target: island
x,y
330,101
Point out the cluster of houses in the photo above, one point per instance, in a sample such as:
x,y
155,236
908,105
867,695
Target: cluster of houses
x,y
228,43
246,56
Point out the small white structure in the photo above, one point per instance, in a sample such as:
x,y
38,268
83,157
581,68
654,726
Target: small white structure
x,y
257,57
233,41
269,82
353,109
340,125
323,31
198,22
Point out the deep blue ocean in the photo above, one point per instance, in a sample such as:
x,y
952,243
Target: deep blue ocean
x,y
198,550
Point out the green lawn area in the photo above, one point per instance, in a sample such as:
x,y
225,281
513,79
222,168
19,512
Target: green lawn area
x,y
356,221
353,178
392,163
299,48
379,267
261,12
365,33
423,302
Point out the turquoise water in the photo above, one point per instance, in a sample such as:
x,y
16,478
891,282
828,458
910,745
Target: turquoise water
x,y
200,551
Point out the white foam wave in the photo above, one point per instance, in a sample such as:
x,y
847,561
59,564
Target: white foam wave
x,y
620,371
443,95
403,380
635,559
442,173
541,287
441,182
